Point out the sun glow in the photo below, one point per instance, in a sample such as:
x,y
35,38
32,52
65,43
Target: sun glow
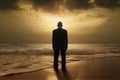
x,y
72,22
53,20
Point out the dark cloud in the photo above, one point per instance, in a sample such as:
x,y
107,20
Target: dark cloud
x,y
109,30
44,4
78,4
73,4
9,4
55,5
108,3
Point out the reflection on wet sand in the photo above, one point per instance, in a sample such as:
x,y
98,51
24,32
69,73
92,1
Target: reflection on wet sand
x,y
62,74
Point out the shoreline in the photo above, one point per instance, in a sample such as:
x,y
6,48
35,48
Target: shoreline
x,y
28,70
94,69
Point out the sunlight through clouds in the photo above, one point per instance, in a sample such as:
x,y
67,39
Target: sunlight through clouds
x,y
86,19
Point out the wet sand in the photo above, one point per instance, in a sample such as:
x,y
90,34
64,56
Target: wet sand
x,y
95,69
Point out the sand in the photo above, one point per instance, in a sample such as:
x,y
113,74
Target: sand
x,y
95,69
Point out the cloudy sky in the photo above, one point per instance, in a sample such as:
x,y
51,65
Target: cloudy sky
x,y
32,21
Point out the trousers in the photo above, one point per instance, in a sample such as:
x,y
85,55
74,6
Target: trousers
x,y
63,57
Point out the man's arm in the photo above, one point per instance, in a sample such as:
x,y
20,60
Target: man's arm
x,y
53,39
66,40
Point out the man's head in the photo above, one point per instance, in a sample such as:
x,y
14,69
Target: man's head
x,y
59,24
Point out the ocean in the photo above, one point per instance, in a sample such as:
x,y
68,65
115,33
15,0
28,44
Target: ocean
x,y
19,58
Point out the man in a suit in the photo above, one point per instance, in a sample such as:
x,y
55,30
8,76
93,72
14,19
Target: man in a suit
x,y
60,44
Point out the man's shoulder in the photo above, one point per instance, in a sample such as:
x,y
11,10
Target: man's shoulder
x,y
55,30
64,29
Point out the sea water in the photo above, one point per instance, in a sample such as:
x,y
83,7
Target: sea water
x,y
19,58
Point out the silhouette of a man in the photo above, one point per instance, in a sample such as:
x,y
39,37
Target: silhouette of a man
x,y
60,44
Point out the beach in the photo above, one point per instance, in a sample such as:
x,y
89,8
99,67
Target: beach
x,y
94,69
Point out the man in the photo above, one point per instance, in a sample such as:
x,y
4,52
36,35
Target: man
x,y
60,44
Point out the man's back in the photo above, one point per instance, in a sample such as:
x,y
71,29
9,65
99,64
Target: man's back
x,y
60,39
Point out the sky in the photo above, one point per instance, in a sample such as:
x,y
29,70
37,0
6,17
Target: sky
x,y
32,21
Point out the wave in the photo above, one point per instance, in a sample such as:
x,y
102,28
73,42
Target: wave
x,y
19,58
50,52
46,49
34,66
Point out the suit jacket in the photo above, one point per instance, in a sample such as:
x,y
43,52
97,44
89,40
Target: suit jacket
x,y
59,39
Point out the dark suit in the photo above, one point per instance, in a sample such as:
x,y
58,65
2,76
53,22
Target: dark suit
x,y
59,44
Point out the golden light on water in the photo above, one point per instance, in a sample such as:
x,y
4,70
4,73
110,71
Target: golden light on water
x,y
52,77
